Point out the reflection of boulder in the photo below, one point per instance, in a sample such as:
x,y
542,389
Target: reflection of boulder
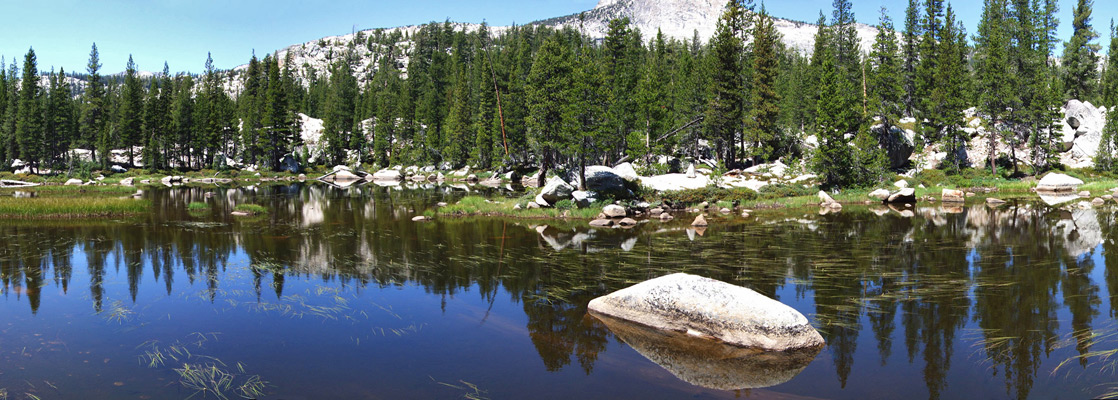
x,y
711,364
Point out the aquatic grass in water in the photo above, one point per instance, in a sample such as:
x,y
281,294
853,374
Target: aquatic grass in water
x,y
203,374
254,209
477,205
64,207
196,206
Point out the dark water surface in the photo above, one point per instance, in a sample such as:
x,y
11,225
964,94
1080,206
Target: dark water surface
x,y
337,294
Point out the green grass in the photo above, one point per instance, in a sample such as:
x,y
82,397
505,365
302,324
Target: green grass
x,y
195,206
63,207
74,191
254,209
480,206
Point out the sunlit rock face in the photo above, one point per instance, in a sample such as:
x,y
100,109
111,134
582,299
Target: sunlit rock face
x,y
708,363
712,309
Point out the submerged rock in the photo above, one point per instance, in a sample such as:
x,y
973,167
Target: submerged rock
x,y
700,220
601,223
707,363
712,309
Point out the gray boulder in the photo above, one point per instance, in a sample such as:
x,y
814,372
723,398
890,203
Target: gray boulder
x,y
583,199
626,172
127,181
906,195
289,164
614,211
1057,183
555,190
712,309
74,182
118,169
388,175
953,196
880,194
605,181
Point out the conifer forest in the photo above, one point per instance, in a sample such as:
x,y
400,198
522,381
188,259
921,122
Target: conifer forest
x,y
533,97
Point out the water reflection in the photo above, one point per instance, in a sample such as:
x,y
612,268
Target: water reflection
x,y
947,295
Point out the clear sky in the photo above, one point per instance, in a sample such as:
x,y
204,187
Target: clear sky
x,y
181,32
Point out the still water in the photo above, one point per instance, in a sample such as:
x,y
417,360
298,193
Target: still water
x,y
335,293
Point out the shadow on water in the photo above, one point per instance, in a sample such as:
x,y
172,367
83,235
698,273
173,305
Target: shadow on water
x,y
934,300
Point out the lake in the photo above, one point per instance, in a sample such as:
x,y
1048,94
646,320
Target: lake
x,y
336,293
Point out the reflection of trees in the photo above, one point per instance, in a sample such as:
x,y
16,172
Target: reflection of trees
x,y
1017,275
910,276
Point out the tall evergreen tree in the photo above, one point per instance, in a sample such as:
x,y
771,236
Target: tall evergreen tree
x,y
725,109
838,115
93,130
761,125
1080,55
885,83
130,121
11,114
996,81
551,116
1109,83
911,49
29,123
340,106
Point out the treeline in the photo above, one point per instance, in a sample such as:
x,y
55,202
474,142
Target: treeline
x,y
534,96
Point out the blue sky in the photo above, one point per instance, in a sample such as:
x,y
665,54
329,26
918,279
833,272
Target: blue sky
x,y
181,32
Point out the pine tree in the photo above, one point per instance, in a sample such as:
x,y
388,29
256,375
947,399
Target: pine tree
x,y
182,120
93,109
1080,55
998,90
551,116
1109,84
1105,159
838,115
251,110
130,120
61,120
761,125
5,83
29,123
885,85
340,106
947,98
725,109
11,114
911,48
927,68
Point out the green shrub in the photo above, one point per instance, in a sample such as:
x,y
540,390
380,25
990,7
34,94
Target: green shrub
x,y
932,177
565,204
783,190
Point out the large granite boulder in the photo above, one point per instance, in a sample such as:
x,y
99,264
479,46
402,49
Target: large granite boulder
x,y
880,194
626,172
906,195
555,190
288,163
614,211
953,196
1054,183
605,181
388,175
712,309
